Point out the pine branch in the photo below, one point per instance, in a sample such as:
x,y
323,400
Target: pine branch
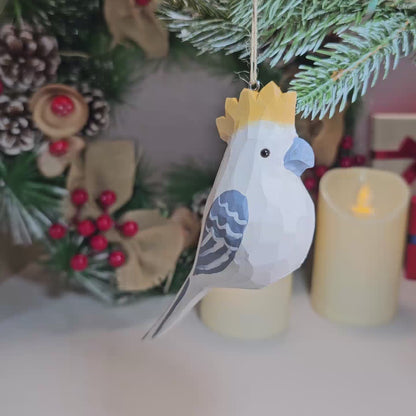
x,y
212,8
72,22
287,28
347,69
184,181
98,278
28,201
113,70
87,51
206,26
368,36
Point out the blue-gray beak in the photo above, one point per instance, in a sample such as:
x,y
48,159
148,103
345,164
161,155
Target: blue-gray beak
x,y
299,157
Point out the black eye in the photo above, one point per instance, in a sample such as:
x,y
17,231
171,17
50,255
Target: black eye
x,y
265,153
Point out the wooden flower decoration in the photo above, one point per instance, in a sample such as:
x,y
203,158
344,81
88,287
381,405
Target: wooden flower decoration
x,y
57,155
59,111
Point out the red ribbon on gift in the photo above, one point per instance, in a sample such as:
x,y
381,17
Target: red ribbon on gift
x,y
407,150
411,244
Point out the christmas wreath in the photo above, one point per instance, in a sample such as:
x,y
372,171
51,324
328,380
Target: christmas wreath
x,y
64,64
103,223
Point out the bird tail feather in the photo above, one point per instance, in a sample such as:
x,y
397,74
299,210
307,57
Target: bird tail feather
x,y
185,300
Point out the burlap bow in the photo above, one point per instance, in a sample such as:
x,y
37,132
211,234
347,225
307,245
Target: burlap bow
x,y
153,252
128,20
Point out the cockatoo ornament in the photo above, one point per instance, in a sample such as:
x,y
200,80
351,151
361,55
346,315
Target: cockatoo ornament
x,y
259,219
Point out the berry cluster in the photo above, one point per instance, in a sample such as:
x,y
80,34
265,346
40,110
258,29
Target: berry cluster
x,y
92,229
346,159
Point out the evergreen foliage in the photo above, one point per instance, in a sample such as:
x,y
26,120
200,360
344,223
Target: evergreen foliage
x,y
29,202
184,181
347,43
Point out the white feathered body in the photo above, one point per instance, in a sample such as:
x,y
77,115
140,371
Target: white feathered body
x,y
259,219
281,222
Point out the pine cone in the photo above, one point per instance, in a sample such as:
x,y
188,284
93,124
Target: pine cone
x,y
99,110
17,133
28,57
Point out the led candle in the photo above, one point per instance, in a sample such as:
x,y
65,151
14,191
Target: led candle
x,y
248,314
360,240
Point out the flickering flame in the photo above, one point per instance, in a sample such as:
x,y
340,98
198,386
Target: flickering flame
x,y
363,207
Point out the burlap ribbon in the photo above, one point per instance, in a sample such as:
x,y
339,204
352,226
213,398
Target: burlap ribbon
x,y
127,20
153,252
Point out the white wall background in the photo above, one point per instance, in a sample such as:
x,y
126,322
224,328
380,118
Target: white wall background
x,y
395,94
172,114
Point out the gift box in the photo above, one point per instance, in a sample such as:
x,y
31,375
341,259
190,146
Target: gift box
x,y
394,149
411,243
394,144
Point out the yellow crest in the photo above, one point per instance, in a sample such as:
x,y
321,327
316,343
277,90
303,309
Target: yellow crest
x,y
269,104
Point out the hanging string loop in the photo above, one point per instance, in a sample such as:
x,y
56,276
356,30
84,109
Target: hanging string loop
x,y
254,83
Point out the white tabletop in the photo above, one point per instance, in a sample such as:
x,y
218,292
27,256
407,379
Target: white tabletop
x,y
72,356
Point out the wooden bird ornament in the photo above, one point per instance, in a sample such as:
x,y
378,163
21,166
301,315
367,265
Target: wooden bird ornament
x,y
259,219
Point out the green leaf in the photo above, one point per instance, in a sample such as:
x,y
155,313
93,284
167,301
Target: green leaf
x,y
184,181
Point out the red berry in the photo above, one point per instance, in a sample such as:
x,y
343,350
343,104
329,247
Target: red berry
x,y
116,258
86,228
347,142
79,262
142,2
62,105
79,196
129,228
346,162
107,198
59,147
104,222
359,160
57,231
310,183
98,242
320,171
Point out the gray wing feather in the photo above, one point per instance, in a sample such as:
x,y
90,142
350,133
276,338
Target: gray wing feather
x,y
223,232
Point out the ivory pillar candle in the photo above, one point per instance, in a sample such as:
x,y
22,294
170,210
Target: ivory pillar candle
x,y
248,314
360,240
